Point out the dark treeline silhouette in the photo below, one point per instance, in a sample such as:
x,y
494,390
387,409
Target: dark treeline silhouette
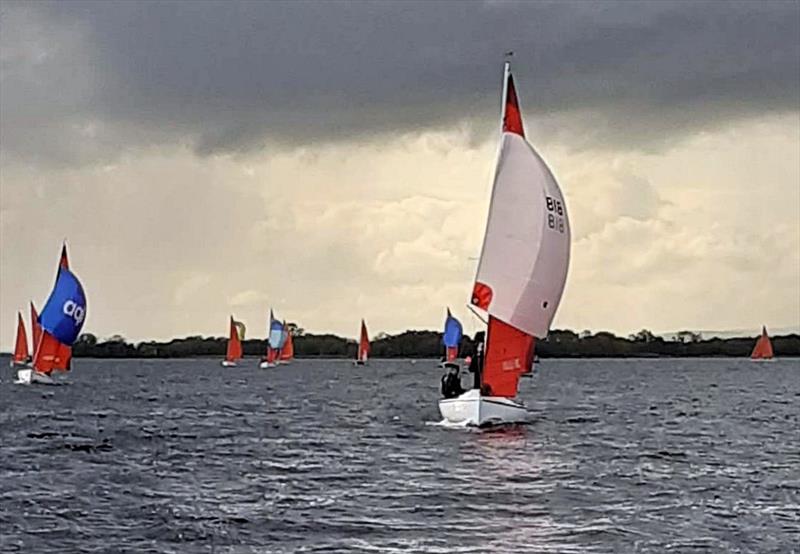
x,y
428,344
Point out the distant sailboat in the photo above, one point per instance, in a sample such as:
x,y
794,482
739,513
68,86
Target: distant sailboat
x,y
56,354
451,339
235,337
275,339
763,348
61,321
21,355
521,273
287,350
362,355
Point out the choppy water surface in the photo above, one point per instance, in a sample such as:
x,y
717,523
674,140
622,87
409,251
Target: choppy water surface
x,y
185,456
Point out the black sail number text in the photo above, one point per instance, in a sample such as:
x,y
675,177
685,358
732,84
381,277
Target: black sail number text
x,y
555,214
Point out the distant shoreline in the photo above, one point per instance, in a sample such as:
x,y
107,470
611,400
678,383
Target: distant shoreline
x,y
418,345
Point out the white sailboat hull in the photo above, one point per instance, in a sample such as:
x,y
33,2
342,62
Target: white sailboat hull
x,y
226,363
472,409
267,365
29,377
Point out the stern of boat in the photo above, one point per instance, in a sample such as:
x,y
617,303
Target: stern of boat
x,y
25,376
472,409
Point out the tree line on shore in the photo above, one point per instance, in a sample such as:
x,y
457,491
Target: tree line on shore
x,y
428,344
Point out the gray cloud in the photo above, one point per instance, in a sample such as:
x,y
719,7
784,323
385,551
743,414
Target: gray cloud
x,y
83,82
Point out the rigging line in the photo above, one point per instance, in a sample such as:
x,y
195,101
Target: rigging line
x,y
476,314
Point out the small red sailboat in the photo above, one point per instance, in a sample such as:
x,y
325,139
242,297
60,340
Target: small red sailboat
x,y
235,338
363,346
763,349
57,327
21,355
55,355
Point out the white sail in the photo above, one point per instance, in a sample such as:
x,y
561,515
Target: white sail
x,y
526,248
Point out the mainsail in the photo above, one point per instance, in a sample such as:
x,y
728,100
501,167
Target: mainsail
x,y
21,354
363,344
452,336
525,255
235,338
287,351
763,348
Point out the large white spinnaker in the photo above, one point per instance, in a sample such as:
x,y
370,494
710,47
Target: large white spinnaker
x,y
525,256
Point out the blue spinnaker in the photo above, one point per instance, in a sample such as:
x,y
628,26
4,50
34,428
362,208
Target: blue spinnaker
x,y
452,331
65,311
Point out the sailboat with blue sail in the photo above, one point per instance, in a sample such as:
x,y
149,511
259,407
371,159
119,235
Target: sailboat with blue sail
x,y
275,340
61,321
451,338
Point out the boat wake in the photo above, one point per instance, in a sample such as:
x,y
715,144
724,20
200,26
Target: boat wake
x,y
450,425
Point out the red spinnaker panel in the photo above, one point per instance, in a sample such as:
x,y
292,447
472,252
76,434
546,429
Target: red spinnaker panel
x,y
509,354
512,116
287,352
64,262
21,347
482,296
234,344
272,354
763,348
51,355
452,353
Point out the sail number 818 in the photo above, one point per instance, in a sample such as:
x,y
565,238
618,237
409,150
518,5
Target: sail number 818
x,y
555,215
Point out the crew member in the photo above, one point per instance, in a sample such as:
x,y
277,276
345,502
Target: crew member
x,y
451,383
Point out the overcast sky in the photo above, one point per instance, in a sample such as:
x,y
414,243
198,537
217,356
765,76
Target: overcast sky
x,y
334,160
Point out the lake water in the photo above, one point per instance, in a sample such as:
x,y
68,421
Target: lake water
x,y
185,456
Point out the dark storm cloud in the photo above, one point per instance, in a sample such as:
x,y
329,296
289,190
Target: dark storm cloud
x,y
84,80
